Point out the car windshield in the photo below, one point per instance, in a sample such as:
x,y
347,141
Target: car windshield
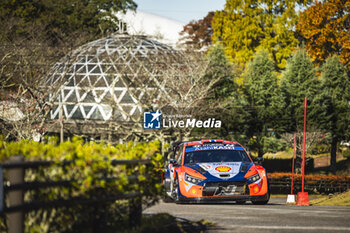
x,y
210,156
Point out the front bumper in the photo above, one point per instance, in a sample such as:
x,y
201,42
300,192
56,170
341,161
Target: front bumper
x,y
213,199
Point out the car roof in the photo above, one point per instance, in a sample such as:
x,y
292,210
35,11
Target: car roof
x,y
209,141
176,145
203,142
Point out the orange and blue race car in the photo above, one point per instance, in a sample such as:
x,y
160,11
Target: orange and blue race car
x,y
214,170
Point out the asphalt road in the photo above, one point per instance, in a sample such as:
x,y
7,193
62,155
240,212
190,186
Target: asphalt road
x,y
273,217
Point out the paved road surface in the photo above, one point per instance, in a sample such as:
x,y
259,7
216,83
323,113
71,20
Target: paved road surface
x,y
274,217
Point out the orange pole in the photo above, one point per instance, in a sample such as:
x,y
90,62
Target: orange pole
x,y
304,140
295,137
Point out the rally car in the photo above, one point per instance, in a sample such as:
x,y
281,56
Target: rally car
x,y
214,170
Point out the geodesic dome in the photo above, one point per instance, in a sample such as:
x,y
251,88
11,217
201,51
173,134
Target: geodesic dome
x,y
95,81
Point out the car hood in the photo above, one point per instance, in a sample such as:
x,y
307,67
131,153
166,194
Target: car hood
x,y
222,170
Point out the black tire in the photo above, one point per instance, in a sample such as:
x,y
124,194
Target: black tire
x,y
240,202
167,199
262,202
175,190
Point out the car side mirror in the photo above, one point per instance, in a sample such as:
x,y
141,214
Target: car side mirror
x,y
165,156
173,162
171,155
259,160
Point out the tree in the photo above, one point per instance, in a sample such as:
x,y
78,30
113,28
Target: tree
x,y
313,137
335,102
224,92
260,89
61,18
325,27
197,34
220,66
298,81
245,27
24,108
33,36
182,88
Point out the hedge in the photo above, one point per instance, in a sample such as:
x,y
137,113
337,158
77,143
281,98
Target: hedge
x,y
90,163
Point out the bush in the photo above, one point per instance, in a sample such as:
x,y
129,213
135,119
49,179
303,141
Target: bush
x,y
346,153
91,162
273,144
321,149
280,183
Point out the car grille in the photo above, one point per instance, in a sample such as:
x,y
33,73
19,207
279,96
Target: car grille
x,y
225,188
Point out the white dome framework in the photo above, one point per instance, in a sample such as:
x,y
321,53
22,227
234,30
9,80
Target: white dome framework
x,y
108,79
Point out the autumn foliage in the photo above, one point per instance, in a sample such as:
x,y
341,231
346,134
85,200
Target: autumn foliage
x,y
329,179
245,27
197,34
325,27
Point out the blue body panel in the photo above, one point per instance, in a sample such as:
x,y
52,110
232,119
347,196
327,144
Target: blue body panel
x,y
211,178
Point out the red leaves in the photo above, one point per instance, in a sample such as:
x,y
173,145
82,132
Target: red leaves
x,y
280,175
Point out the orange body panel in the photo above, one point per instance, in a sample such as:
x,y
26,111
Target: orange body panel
x,y
260,188
189,190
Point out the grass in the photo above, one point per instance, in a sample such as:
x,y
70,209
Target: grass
x,y
279,155
289,154
342,199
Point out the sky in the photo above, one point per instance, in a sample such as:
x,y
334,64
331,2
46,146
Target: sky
x,y
180,10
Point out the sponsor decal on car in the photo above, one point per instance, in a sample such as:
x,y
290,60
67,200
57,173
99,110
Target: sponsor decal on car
x,y
223,169
213,148
205,166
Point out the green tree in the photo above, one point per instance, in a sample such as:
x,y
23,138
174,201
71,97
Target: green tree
x,y
334,100
246,26
224,91
59,18
298,81
260,90
34,35
220,68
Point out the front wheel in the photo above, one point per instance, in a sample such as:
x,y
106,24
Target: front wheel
x,y
166,187
175,190
166,198
262,202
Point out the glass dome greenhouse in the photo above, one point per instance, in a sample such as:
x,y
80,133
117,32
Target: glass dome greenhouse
x,y
97,81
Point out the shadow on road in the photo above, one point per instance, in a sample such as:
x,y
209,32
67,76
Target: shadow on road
x,y
170,224
274,202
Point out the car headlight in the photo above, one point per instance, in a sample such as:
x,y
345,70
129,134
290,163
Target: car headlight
x,y
254,178
192,179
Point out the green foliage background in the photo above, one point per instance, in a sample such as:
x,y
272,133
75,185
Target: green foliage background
x,y
60,18
245,27
91,162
